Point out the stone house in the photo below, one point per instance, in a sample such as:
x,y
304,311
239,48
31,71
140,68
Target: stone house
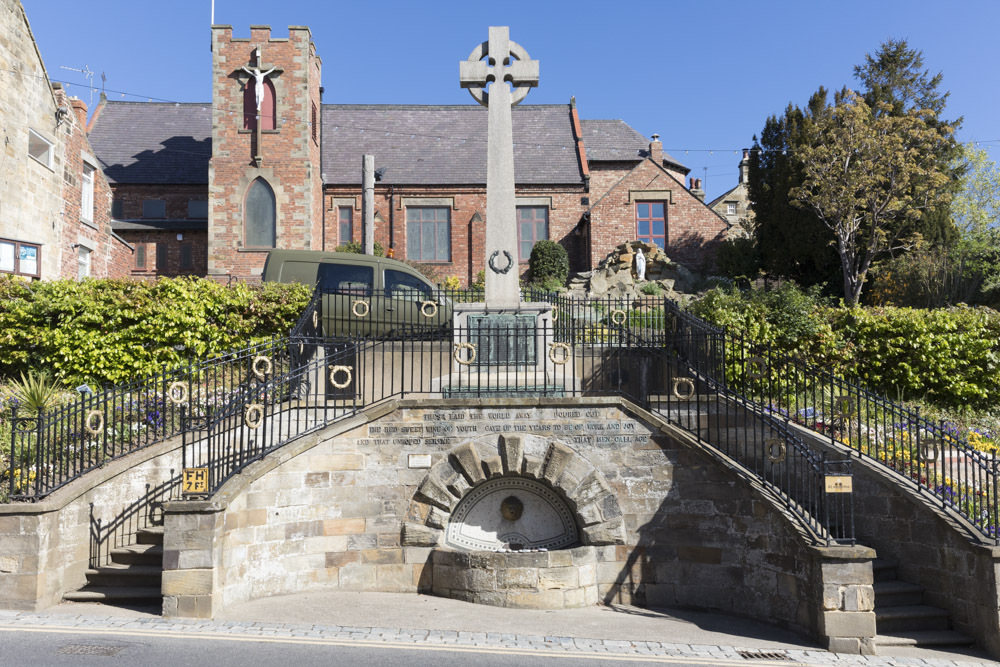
x,y
54,198
210,188
734,204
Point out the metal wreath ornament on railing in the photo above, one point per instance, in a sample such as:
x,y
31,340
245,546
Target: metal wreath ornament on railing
x,y
777,450
253,416
683,382
360,308
756,366
178,393
457,353
88,423
341,369
428,309
566,353
618,317
262,373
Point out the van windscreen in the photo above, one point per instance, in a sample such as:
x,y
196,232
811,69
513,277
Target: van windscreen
x,y
346,279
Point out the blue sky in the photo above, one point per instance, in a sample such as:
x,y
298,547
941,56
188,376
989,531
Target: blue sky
x,y
705,75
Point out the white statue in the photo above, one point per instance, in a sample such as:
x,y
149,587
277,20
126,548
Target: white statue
x,y
259,86
640,265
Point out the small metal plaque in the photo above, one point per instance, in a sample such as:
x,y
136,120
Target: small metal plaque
x,y
195,480
839,484
420,460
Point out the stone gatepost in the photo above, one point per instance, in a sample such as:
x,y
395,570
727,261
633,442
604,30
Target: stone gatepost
x,y
846,617
192,529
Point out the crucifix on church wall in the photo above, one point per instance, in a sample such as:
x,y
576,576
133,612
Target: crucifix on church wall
x,y
259,103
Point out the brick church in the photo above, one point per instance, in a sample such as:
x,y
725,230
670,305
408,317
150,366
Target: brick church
x,y
208,189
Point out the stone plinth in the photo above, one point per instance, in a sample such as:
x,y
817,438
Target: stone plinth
x,y
560,579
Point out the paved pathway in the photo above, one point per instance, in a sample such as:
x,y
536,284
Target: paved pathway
x,y
420,622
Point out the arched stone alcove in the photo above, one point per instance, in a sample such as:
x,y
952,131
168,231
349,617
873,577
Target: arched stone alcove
x,y
552,473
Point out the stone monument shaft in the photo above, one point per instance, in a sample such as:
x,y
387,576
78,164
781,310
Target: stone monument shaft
x,y
506,62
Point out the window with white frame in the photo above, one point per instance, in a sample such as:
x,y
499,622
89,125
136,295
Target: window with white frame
x,y
83,262
40,148
730,208
87,194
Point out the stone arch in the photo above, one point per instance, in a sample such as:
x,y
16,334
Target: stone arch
x,y
580,484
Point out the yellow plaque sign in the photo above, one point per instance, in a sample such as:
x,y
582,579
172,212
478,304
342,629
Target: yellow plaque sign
x,y
195,480
839,483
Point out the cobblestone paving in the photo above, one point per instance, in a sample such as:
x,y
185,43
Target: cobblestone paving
x,y
582,647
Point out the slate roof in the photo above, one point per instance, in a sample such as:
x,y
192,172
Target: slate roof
x,y
444,144
153,142
614,140
169,143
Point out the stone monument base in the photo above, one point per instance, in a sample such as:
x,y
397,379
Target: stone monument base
x,y
560,579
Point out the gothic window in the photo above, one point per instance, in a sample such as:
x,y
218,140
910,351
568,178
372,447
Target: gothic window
x,y
267,108
259,215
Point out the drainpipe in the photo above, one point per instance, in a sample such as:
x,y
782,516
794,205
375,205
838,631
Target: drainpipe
x,y
392,219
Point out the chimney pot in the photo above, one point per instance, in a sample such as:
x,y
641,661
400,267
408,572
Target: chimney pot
x,y
656,150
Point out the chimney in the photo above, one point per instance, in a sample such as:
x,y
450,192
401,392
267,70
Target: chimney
x,y
696,189
745,166
656,150
80,108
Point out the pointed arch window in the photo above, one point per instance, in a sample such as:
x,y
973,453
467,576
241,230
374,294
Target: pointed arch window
x,y
259,215
267,110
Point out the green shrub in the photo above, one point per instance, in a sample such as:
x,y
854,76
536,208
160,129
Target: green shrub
x,y
355,247
947,357
548,264
651,289
110,331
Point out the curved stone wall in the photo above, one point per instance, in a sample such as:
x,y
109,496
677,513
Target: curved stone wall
x,y
560,579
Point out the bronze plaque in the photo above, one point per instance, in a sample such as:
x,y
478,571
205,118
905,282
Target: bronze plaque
x,y
839,483
195,480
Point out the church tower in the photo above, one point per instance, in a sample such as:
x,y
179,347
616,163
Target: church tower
x,y
265,185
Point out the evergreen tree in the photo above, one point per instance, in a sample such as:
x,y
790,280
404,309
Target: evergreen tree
x,y
793,242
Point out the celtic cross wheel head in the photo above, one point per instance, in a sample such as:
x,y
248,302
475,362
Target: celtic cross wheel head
x,y
505,61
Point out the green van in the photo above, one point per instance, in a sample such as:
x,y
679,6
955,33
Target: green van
x,y
364,295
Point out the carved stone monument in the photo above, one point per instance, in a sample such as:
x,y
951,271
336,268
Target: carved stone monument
x,y
495,63
506,333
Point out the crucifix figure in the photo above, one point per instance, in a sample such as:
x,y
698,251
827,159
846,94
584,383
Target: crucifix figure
x,y
259,86
500,61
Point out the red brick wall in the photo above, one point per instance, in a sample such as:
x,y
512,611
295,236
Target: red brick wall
x,y
693,230
468,252
291,161
175,198
108,254
153,240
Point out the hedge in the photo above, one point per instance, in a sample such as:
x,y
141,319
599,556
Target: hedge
x,y
947,357
111,331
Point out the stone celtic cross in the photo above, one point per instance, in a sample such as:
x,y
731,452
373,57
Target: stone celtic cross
x,y
500,61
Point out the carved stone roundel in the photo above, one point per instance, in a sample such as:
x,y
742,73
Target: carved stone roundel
x,y
483,520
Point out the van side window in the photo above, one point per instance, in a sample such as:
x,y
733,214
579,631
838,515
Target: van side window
x,y
399,285
346,279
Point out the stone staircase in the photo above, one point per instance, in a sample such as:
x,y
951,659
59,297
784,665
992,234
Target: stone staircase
x,y
133,576
901,617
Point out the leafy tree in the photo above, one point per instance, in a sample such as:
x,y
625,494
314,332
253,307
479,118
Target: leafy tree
x,y
895,76
867,173
794,242
975,210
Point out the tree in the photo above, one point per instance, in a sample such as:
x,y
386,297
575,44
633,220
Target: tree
x,y
867,174
791,241
896,76
975,210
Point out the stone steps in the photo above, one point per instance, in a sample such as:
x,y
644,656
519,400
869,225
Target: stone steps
x,y
134,575
924,638
901,618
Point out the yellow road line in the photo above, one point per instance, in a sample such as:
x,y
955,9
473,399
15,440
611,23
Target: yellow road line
x,y
316,641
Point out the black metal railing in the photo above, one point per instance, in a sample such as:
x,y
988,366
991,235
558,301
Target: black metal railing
x,y
234,409
929,454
